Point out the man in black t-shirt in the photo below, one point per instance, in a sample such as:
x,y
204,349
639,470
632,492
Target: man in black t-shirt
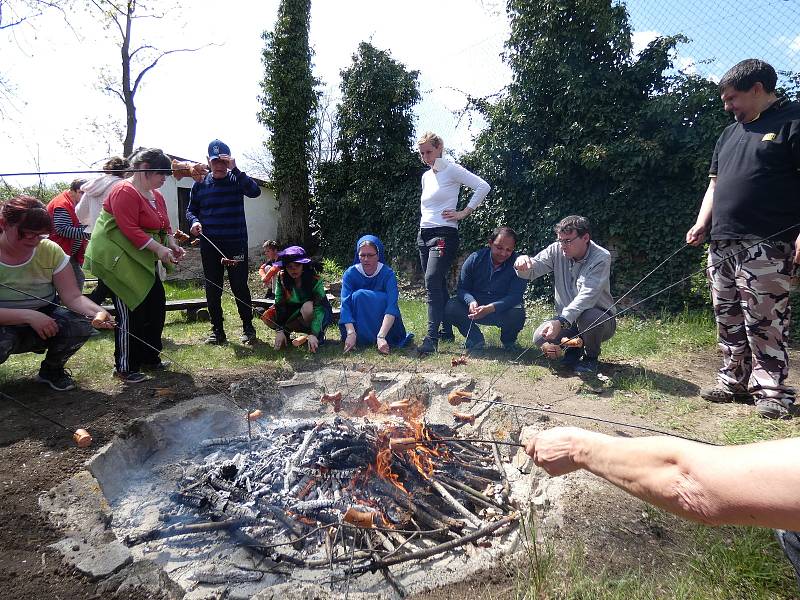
x,y
752,206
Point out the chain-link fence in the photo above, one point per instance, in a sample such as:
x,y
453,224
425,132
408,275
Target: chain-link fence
x,y
722,32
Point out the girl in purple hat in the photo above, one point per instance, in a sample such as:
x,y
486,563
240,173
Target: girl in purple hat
x,y
300,301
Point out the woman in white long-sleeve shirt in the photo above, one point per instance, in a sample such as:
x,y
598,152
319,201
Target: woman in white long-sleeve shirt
x,y
438,229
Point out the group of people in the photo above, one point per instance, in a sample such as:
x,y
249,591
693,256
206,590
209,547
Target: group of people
x,y
119,229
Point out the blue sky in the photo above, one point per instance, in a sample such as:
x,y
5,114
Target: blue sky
x,y
723,32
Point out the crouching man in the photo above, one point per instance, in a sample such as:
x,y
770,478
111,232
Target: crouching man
x,y
584,307
489,293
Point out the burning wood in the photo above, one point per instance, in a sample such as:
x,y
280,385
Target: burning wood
x,y
384,490
456,397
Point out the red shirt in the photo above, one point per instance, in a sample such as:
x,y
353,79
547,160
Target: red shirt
x,y
134,213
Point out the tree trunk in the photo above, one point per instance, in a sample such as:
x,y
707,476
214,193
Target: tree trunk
x,y
293,216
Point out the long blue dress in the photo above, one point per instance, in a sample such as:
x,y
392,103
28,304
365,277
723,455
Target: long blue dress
x,y
365,300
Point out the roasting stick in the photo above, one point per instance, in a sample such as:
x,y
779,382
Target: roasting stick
x,y
81,437
221,253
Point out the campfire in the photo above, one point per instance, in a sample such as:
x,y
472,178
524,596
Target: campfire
x,y
370,491
350,480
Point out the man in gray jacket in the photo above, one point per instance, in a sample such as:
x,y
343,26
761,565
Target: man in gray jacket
x,y
584,307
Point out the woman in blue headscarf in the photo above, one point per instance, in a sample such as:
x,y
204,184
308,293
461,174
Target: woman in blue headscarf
x,y
369,311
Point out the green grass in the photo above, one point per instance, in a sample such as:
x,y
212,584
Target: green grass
x,y
730,563
638,339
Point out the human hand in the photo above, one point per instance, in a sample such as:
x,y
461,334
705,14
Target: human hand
x,y
383,345
481,311
551,351
350,341
552,330
313,343
523,264
797,250
165,255
696,234
196,229
557,450
453,215
103,320
280,340
178,252
44,326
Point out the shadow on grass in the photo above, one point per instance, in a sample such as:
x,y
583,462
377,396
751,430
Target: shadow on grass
x,y
637,378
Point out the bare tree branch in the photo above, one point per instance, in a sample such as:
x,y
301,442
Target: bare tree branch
x,y
158,58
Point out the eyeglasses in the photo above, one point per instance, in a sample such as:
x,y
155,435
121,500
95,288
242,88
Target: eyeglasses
x,y
31,235
569,241
373,255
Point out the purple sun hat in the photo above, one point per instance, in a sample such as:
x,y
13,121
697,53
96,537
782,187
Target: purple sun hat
x,y
292,254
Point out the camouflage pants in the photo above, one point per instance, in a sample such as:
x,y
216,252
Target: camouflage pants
x,y
750,292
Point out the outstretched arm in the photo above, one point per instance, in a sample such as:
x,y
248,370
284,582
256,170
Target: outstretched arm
x,y
754,484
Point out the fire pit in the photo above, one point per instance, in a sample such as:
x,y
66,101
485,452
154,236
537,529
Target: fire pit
x,y
366,493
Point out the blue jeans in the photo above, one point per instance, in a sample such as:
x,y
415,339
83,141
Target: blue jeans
x,y
510,322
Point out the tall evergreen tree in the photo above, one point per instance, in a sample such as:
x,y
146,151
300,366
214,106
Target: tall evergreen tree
x,y
289,102
374,186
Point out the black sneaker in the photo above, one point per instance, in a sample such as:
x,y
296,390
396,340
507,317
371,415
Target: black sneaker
x,y
587,366
428,346
447,336
130,376
216,338
571,358
161,365
58,379
249,336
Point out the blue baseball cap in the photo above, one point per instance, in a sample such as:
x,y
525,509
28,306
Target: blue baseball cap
x,y
216,148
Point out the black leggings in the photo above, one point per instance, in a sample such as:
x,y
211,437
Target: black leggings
x,y
438,248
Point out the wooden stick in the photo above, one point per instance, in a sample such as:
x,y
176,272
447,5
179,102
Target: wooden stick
x,y
444,547
472,519
499,464
172,531
471,491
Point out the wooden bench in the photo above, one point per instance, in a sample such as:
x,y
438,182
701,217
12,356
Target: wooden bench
x,y
191,306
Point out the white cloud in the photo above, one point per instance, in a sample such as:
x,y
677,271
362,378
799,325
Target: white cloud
x,y
640,40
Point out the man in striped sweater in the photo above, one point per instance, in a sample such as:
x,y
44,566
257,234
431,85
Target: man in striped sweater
x,y
216,215
67,230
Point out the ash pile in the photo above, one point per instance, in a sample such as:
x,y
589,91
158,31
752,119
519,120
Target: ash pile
x,y
365,490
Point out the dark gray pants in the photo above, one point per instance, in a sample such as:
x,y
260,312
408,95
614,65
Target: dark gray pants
x,y
214,271
438,248
594,327
510,322
73,331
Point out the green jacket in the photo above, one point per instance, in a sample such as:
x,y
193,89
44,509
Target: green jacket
x,y
111,256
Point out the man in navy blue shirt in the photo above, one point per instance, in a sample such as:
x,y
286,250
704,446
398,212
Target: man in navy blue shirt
x,y
489,293
216,214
